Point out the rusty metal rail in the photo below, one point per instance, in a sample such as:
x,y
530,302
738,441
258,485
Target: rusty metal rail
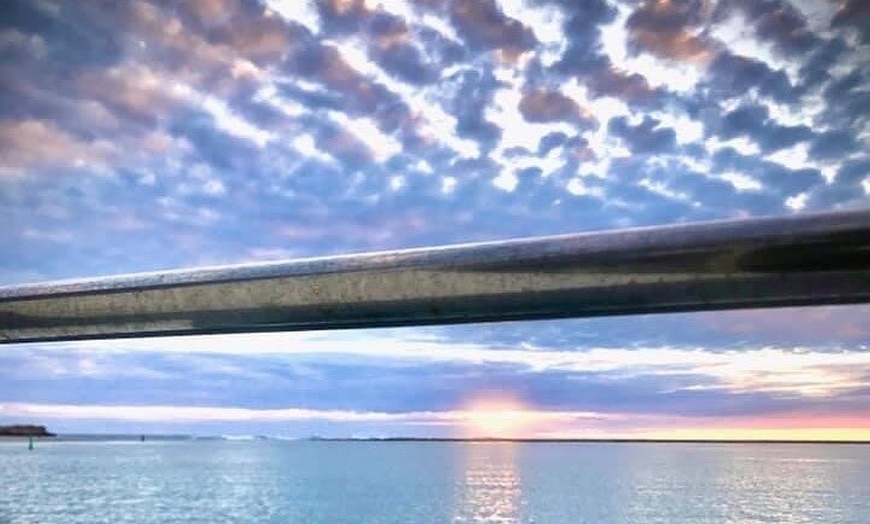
x,y
757,263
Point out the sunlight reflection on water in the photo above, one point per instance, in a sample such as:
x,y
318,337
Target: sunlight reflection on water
x,y
490,488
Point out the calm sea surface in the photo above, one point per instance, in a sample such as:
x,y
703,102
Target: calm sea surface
x,y
408,482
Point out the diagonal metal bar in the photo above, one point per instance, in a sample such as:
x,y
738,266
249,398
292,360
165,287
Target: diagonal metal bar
x,y
756,263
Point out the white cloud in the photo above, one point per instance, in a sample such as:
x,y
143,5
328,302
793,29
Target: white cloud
x,y
797,372
164,413
441,26
506,181
270,95
214,187
737,34
678,77
546,22
686,129
302,12
662,189
307,147
228,121
806,113
381,145
516,131
576,187
817,14
448,185
435,123
604,147
741,144
397,182
741,182
795,157
400,8
76,364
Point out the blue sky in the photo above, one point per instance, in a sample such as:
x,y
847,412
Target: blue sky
x,y
146,135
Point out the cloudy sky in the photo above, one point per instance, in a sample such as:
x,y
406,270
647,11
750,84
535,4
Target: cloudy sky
x,y
146,135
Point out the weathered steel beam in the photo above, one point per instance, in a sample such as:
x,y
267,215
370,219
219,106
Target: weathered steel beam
x,y
756,263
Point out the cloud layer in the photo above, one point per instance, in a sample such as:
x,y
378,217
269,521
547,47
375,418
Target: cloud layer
x,y
393,376
233,130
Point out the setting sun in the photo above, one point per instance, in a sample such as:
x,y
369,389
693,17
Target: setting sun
x,y
497,417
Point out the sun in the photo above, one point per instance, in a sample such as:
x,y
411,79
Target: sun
x,y
497,416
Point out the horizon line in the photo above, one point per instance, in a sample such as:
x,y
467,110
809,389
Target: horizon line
x,y
184,436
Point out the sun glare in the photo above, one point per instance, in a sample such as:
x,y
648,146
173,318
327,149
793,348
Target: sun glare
x,y
501,417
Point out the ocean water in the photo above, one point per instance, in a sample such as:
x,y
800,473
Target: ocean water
x,y
432,482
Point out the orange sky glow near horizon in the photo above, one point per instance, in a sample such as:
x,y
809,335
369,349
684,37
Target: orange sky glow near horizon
x,y
506,416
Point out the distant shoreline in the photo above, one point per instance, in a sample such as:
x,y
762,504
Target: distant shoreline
x,y
247,438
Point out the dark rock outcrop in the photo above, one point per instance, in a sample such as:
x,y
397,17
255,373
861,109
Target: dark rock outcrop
x,y
25,430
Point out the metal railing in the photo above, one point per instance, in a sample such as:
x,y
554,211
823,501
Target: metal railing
x,y
763,262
